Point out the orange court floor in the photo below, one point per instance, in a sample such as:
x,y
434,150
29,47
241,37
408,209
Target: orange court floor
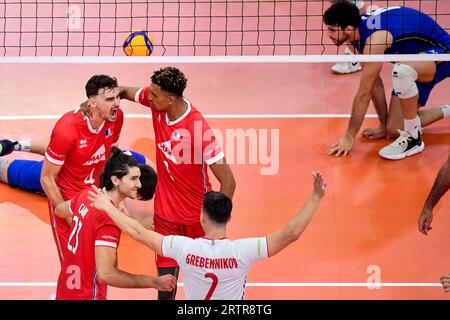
x,y
365,230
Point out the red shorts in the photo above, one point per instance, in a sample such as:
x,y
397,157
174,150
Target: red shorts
x,y
61,231
167,228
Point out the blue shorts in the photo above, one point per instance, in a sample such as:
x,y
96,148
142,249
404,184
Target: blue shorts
x,y
442,72
25,174
140,158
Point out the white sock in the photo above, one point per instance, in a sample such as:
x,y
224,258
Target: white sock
x,y
23,145
413,126
446,110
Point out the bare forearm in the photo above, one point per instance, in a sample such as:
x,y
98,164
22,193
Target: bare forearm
x,y
440,186
223,173
121,279
125,223
227,187
379,101
51,189
359,110
300,221
127,93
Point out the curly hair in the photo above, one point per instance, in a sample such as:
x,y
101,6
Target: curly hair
x,y
171,80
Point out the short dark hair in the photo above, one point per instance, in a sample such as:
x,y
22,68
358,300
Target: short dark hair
x,y
342,14
149,180
171,80
118,165
217,206
97,82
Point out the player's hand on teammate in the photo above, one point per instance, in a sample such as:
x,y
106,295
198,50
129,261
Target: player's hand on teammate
x,y
319,185
425,219
445,280
122,208
375,133
165,283
342,147
99,198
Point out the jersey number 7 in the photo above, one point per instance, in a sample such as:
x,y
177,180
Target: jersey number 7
x,y
215,281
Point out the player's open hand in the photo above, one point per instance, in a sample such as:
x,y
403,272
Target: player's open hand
x,y
445,280
425,219
375,133
342,147
319,185
99,198
165,283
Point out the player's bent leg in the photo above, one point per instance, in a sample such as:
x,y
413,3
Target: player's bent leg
x,y
39,146
395,118
429,116
168,295
409,142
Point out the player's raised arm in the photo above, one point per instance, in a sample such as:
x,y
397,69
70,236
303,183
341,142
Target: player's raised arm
x,y
128,93
279,240
128,225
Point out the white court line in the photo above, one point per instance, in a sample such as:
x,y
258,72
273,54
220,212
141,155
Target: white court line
x,y
269,284
207,116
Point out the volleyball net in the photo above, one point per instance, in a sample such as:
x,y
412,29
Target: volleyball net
x,y
178,27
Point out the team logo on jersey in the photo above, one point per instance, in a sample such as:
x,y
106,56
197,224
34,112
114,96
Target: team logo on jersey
x,y
176,136
83,143
98,156
108,132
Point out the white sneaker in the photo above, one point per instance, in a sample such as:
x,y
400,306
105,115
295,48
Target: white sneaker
x,y
346,67
403,147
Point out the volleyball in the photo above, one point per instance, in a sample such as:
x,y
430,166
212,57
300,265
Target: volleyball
x,y
138,43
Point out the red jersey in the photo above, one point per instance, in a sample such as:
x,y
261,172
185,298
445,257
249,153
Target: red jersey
x,y
184,149
82,152
90,228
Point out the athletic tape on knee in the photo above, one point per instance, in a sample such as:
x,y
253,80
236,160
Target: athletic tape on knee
x,y
404,81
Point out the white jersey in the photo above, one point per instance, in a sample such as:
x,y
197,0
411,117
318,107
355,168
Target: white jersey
x,y
214,269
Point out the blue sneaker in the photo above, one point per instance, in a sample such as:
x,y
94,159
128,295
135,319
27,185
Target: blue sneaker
x,y
6,147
